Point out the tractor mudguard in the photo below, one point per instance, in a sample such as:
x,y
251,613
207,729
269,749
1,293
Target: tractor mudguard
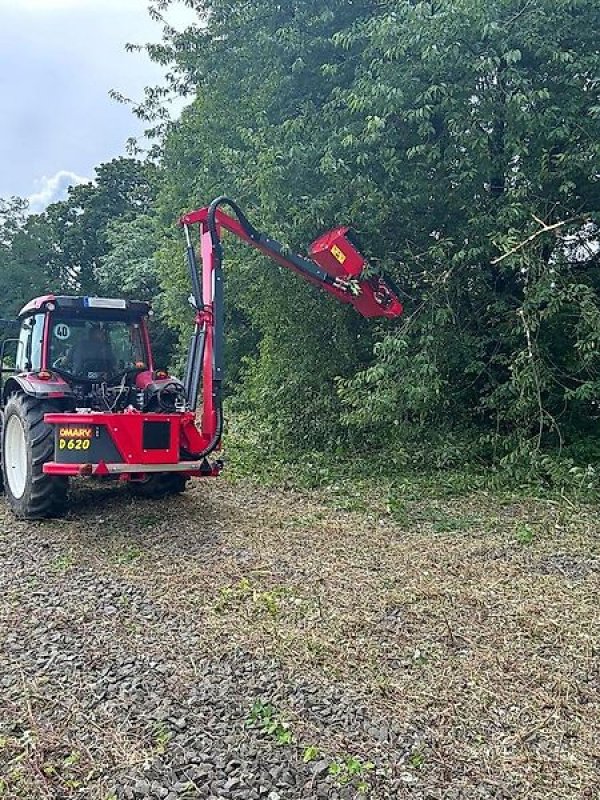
x,y
30,384
153,387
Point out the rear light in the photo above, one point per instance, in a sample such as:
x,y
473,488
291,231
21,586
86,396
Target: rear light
x,y
86,470
44,375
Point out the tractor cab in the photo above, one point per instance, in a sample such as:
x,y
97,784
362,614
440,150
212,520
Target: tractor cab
x,y
87,338
97,348
94,352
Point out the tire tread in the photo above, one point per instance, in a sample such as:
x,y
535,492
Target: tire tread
x,y
46,495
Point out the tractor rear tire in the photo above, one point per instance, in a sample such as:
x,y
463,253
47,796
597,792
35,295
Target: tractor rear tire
x,y
27,444
162,484
1,440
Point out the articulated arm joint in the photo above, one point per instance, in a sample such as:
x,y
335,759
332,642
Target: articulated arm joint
x,y
204,316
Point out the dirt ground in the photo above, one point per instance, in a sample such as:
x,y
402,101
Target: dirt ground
x,y
247,642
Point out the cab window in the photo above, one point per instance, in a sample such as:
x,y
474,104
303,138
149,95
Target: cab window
x,y
29,351
95,349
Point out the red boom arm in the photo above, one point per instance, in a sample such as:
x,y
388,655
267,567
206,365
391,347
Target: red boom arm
x,y
335,265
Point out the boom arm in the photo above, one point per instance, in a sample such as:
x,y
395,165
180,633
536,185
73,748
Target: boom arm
x,y
335,265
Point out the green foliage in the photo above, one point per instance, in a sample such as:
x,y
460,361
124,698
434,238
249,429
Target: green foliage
x,y
129,269
61,249
445,133
417,759
101,240
255,601
264,716
63,562
162,737
32,765
130,554
310,753
461,140
524,534
352,770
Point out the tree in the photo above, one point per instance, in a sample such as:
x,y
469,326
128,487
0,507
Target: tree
x,y
445,132
124,188
129,269
472,121
21,272
61,249
254,131
460,139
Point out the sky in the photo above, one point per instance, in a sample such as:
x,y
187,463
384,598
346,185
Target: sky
x,y
58,61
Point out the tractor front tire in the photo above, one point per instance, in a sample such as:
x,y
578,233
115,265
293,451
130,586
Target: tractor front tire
x,y
27,444
162,484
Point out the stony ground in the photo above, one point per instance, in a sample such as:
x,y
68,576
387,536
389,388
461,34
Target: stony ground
x,y
241,642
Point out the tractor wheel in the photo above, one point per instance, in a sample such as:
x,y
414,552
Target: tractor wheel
x,y
27,443
1,438
161,484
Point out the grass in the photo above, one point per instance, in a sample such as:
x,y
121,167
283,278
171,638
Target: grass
x,y
466,623
162,737
310,753
452,615
352,770
129,555
31,755
524,534
249,599
62,562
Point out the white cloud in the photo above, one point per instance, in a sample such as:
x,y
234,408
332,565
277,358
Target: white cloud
x,y
59,59
50,190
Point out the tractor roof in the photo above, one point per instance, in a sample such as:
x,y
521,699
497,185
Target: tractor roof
x,y
82,304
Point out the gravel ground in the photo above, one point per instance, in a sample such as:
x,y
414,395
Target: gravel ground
x,y
240,642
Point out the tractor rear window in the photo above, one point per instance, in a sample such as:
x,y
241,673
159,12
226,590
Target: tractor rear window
x,y
95,350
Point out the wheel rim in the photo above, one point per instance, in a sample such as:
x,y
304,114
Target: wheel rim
x,y
15,456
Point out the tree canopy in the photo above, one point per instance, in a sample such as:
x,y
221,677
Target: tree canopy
x,y
460,139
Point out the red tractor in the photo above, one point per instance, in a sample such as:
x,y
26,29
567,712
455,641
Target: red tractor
x,y
84,397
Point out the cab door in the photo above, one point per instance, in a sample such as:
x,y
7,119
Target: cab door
x,y
29,346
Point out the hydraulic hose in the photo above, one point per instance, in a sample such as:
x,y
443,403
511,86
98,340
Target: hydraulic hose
x,y
214,442
255,235
218,307
223,200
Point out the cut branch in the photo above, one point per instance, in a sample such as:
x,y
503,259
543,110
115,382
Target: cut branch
x,y
544,229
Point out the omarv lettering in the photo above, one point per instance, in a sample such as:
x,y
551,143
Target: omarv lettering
x,y
76,433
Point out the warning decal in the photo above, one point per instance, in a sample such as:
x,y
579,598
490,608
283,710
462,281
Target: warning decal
x,y
338,254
